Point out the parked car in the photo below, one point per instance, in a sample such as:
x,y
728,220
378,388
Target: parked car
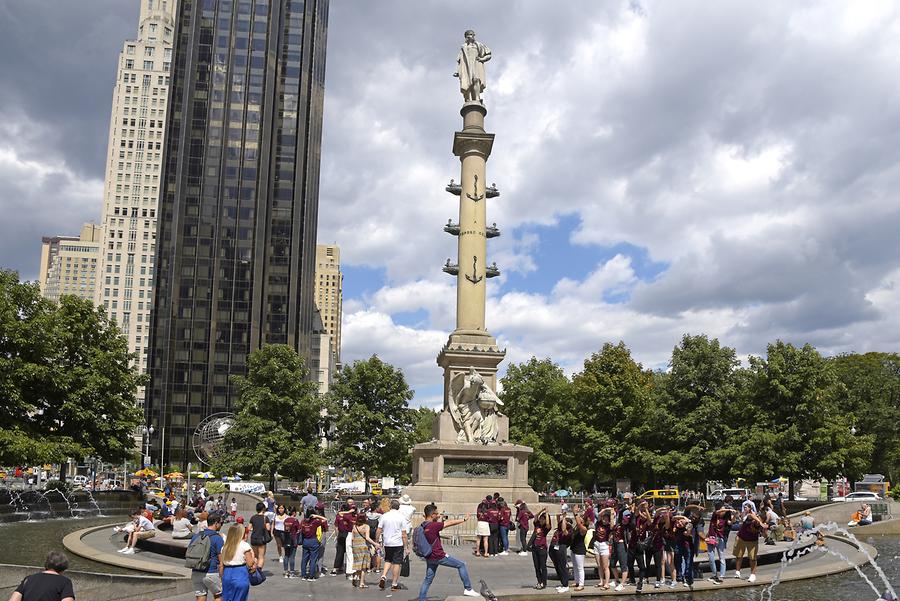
x,y
79,480
738,494
858,496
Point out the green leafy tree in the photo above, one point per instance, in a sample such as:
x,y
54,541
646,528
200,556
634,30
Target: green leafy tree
x,y
617,421
67,383
872,404
697,390
278,414
423,420
798,429
537,397
372,424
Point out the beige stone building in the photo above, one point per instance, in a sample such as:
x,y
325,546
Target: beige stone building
x,y
69,264
132,186
329,291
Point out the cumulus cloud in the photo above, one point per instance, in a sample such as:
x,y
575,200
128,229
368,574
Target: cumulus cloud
x,y
750,149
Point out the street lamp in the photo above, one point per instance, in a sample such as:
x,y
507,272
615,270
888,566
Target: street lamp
x,y
147,432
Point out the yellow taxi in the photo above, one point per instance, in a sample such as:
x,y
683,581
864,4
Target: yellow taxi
x,y
661,494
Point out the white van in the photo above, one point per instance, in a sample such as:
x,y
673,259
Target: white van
x,y
738,494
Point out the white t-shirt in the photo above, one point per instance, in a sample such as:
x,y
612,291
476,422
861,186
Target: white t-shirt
x,y
181,527
238,559
279,522
407,511
392,525
145,524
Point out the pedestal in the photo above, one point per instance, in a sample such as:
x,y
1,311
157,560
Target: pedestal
x,y
457,476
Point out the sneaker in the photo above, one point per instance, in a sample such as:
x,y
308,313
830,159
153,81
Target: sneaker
x,y
686,584
523,553
396,587
737,573
711,579
503,553
286,575
619,587
752,578
640,586
719,580
128,551
672,584
470,593
122,550
562,589
657,584
382,583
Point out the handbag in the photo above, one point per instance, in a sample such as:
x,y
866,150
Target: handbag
x,y
530,546
257,577
712,541
404,567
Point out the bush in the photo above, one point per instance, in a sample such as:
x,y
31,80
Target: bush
x,y
216,488
65,487
895,493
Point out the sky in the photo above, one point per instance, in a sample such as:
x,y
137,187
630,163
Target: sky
x,y
666,168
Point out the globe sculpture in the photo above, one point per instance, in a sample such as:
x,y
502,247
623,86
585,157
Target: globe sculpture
x,y
209,434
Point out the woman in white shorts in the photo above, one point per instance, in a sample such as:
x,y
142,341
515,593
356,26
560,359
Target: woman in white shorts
x,y
602,533
483,528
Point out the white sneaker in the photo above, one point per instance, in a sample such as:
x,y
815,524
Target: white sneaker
x,y
752,578
470,593
503,553
122,550
523,553
128,551
562,589
619,587
737,573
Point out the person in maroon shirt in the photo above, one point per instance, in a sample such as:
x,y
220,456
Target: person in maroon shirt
x,y
523,516
590,515
343,521
493,519
539,548
505,519
559,551
640,545
432,527
483,528
310,541
748,542
602,533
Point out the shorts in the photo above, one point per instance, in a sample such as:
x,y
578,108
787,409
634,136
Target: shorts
x,y
483,529
145,534
205,583
393,554
601,549
668,545
750,547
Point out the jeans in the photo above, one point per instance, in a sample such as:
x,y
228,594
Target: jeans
x,y
308,568
717,552
558,555
684,558
504,538
578,568
494,539
340,551
636,555
431,569
290,558
320,558
235,583
523,538
539,557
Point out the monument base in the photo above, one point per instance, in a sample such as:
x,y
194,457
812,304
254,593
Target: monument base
x,y
457,476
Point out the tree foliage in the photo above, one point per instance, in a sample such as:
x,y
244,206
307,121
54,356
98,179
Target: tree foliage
x,y
278,414
372,424
67,383
706,418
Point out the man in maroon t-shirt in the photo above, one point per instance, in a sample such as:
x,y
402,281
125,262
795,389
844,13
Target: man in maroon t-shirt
x,y
432,526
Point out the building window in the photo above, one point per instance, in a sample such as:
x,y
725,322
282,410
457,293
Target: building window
x,y
129,63
148,65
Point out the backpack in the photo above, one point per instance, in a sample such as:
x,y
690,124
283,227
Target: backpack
x,y
197,555
421,546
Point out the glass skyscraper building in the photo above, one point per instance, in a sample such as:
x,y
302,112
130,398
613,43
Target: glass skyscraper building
x,y
236,240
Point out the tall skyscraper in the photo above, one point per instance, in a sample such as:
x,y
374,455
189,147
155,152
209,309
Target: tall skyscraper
x,y
133,167
239,203
69,264
330,293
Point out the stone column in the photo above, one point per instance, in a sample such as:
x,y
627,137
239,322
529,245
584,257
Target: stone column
x,y
473,147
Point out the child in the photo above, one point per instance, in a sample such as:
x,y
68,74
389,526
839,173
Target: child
x,y
233,508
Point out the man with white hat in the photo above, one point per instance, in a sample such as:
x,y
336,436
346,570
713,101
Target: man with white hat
x,y
407,509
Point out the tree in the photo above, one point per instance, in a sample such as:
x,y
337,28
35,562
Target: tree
x,y
67,383
872,404
799,430
617,423
373,426
423,420
278,414
537,397
700,385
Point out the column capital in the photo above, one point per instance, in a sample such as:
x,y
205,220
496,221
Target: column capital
x,y
466,143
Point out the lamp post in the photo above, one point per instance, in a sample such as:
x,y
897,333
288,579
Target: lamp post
x,y
147,431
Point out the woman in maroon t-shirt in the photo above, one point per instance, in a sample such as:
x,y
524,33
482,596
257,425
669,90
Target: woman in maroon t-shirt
x,y
523,516
539,548
602,533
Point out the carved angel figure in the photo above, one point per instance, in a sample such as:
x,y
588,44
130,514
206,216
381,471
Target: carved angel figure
x,y
473,406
